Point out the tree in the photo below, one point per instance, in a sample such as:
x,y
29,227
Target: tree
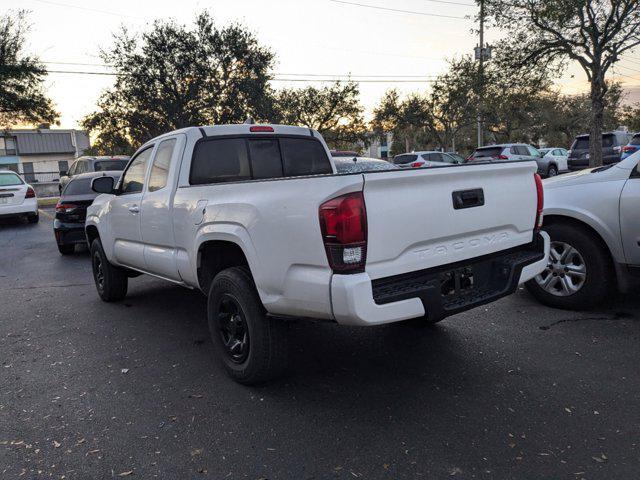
x,y
22,97
335,111
172,77
630,117
593,33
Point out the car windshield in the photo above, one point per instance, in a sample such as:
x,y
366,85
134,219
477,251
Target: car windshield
x,y
349,166
487,152
9,179
105,165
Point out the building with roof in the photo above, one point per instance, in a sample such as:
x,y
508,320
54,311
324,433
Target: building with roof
x,y
41,153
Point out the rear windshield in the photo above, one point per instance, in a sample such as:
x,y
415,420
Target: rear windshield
x,y
582,143
403,159
8,179
236,159
487,152
635,140
80,186
105,165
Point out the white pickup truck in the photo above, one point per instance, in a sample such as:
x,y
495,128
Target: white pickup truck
x,y
257,219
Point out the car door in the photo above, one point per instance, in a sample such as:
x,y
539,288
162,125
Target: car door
x,y
155,211
630,217
124,217
609,154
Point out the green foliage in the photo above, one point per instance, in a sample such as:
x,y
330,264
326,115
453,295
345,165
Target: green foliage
x,y
335,111
172,77
630,117
22,97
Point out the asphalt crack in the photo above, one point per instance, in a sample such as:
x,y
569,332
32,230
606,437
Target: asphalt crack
x,y
615,316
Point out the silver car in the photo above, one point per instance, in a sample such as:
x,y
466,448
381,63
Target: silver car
x,y
429,158
553,160
593,219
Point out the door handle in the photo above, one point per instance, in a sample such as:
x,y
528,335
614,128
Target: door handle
x,y
134,209
468,198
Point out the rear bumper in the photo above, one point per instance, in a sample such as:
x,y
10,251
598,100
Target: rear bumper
x,y
69,233
28,206
357,300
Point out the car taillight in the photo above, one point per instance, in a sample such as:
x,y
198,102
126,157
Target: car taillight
x,y
261,128
417,164
502,157
343,223
31,193
65,207
628,148
540,204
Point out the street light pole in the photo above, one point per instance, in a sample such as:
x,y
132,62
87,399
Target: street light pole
x,y
481,74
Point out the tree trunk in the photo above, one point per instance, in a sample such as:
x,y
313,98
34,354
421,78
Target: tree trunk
x,y
597,120
406,142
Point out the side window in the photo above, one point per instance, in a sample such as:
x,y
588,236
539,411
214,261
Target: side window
x,y
302,156
265,158
161,165
448,158
81,167
220,160
133,177
436,157
608,141
522,150
514,151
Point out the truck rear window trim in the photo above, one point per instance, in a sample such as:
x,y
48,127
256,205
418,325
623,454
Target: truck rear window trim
x,y
247,138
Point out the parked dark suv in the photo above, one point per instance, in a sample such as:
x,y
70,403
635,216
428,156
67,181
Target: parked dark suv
x,y
612,143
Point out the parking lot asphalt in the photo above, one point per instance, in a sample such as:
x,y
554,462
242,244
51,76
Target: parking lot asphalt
x,y
512,390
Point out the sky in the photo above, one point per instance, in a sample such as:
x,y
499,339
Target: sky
x,y
309,37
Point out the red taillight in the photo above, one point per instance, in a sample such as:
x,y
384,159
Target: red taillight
x,y
417,164
343,223
502,157
65,207
261,128
628,149
540,205
31,193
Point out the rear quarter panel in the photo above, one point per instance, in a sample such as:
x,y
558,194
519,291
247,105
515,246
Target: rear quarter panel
x,y
276,224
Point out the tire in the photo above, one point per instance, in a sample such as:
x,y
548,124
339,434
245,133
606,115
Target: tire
x,y
66,249
237,319
552,171
33,218
599,275
111,281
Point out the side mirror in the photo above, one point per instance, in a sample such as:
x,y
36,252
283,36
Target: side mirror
x,y
102,185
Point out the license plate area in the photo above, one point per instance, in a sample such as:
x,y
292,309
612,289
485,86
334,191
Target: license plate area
x,y
456,282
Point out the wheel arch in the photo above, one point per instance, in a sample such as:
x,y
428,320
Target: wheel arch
x,y
215,255
550,219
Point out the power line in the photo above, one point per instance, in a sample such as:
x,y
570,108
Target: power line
x,y
397,10
87,9
275,79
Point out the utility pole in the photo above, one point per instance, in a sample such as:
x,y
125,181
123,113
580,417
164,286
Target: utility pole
x,y
481,73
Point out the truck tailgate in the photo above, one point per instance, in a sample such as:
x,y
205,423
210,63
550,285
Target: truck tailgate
x,y
413,223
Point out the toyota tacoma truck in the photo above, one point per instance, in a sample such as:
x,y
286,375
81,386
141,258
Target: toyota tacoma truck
x,y
256,217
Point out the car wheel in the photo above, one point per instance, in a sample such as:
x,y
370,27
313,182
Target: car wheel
x,y
250,345
33,218
111,281
66,249
579,274
553,171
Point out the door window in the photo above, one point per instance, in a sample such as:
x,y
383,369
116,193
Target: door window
x,y
435,157
220,160
133,177
161,165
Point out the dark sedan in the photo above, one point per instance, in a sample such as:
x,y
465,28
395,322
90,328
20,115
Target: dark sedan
x,y
71,210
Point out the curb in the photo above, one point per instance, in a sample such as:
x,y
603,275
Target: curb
x,y
47,201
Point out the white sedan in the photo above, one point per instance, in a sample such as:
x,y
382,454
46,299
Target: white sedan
x,y
17,198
